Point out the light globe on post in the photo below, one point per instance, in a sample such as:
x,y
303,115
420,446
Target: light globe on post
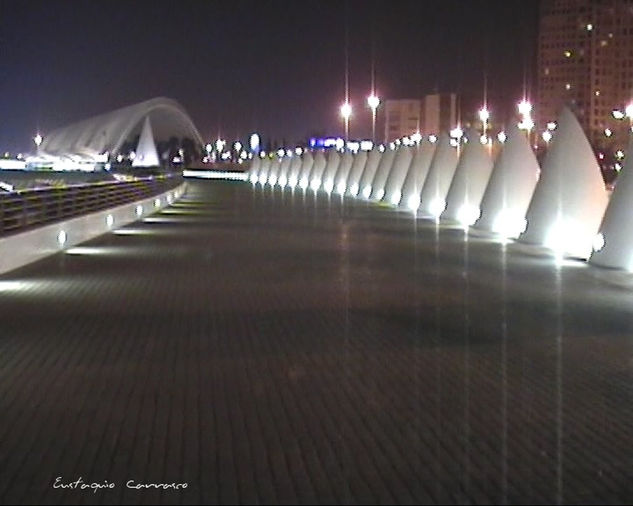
x,y
346,112
373,102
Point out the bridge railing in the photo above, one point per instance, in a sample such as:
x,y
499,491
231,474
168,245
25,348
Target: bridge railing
x,y
31,208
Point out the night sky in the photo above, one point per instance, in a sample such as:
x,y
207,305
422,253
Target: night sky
x,y
273,67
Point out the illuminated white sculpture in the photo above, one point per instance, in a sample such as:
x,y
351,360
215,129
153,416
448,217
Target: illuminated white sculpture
x,y
306,169
401,164
277,169
293,172
263,170
412,186
356,172
318,168
333,161
256,163
146,154
373,160
438,180
469,182
511,186
340,179
382,173
613,245
570,199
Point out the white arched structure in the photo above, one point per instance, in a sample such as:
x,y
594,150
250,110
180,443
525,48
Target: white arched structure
x,y
412,186
373,160
469,181
613,246
507,197
438,180
355,173
91,138
393,185
382,173
570,198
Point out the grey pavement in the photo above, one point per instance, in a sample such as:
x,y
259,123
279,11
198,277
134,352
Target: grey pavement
x,y
273,347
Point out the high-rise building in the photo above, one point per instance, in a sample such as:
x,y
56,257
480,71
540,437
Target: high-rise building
x,y
585,61
430,115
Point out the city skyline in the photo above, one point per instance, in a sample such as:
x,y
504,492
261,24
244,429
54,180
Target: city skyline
x,y
277,68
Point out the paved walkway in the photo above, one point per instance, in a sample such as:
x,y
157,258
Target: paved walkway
x,y
273,348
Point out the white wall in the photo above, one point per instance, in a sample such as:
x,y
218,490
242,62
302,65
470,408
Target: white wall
x,y
27,247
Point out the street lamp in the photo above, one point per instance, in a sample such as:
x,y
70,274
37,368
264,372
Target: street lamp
x,y
346,112
373,102
38,140
484,116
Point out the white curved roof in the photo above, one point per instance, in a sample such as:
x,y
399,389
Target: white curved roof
x,y
108,132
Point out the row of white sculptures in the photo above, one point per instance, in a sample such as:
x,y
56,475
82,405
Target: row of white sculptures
x,y
564,206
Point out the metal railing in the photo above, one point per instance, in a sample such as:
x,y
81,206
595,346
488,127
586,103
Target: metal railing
x,y
31,208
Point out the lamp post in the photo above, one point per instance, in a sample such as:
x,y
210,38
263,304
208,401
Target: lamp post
x,y
346,112
37,140
484,116
373,102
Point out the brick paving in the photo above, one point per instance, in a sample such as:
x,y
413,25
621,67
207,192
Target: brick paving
x,y
270,347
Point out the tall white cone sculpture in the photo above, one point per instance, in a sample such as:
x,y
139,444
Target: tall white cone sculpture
x,y
393,185
570,199
510,189
382,174
438,180
355,173
373,160
306,168
469,182
340,180
277,169
318,168
282,177
253,170
293,172
264,169
146,154
418,170
333,161
613,245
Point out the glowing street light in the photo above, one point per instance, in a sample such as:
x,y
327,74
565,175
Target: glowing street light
x,y
346,112
484,116
525,107
373,102
38,140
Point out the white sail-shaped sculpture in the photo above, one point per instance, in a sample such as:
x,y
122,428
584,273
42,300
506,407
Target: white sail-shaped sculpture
x,y
253,170
279,168
293,171
146,154
333,161
510,189
613,245
382,174
438,180
401,164
318,168
355,173
469,182
418,170
373,160
264,169
340,180
570,198
306,168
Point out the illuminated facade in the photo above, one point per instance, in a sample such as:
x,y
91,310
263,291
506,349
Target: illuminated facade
x,y
430,115
585,61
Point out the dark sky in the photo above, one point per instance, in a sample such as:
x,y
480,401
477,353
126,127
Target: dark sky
x,y
237,67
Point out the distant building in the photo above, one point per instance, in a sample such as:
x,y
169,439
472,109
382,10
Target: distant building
x,y
585,60
430,115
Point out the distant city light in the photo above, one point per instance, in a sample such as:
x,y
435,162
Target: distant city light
x,y
346,110
373,101
551,125
608,132
617,114
547,136
524,107
254,142
501,136
484,114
